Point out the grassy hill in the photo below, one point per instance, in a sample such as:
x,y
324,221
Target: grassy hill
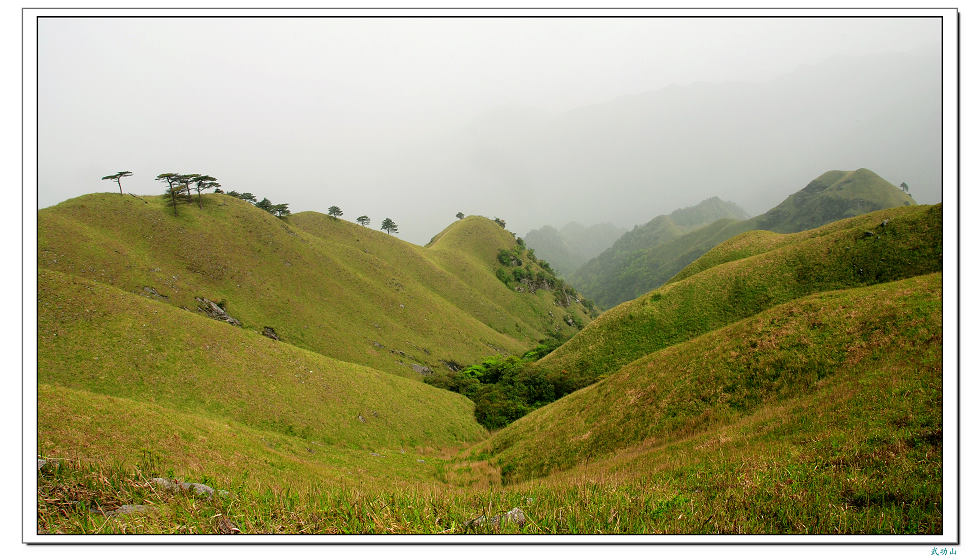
x,y
643,265
620,268
877,247
783,383
326,285
818,343
819,416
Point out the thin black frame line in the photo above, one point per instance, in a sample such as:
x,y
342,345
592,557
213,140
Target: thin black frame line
x,y
499,8
407,16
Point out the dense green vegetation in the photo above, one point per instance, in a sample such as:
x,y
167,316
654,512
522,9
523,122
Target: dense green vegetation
x,y
522,271
504,388
646,259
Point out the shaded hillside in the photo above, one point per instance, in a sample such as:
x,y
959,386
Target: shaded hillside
x,y
326,285
645,264
607,273
877,247
570,247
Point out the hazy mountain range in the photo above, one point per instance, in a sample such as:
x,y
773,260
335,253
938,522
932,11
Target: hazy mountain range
x,y
648,256
638,156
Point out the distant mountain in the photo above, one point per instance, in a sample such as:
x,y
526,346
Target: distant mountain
x,y
570,247
602,275
829,197
629,269
626,155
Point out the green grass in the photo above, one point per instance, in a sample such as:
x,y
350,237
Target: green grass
x,y
326,285
760,241
821,416
840,256
631,268
155,353
789,385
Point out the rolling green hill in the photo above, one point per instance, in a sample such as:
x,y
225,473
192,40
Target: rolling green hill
x,y
877,247
782,383
820,415
322,284
629,269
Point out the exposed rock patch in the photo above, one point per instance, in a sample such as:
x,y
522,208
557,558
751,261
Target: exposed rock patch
x,y
127,509
196,488
150,291
270,332
213,310
515,516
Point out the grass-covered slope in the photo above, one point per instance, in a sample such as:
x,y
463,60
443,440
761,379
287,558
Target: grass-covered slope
x,y
760,241
96,338
866,360
326,285
614,271
832,196
878,247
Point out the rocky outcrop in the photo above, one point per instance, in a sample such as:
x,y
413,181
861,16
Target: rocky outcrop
x,y
213,310
270,332
196,488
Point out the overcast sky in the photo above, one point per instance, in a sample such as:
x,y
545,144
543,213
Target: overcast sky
x,y
366,114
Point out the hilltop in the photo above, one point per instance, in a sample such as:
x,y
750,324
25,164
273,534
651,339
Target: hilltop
x,y
320,283
637,264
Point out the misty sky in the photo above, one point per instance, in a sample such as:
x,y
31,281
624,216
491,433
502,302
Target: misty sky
x,y
416,119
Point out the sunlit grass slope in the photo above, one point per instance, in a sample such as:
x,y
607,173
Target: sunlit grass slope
x,y
326,285
96,338
885,245
865,363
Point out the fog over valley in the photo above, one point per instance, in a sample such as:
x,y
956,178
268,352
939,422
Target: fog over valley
x,y
535,121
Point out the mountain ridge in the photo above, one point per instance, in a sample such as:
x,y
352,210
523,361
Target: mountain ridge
x,y
644,265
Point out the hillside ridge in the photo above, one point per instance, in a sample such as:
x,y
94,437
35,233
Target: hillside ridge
x,y
650,263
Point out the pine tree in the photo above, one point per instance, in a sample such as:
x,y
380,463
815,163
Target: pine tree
x,y
116,177
389,226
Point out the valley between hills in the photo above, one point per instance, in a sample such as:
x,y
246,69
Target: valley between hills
x,y
780,374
